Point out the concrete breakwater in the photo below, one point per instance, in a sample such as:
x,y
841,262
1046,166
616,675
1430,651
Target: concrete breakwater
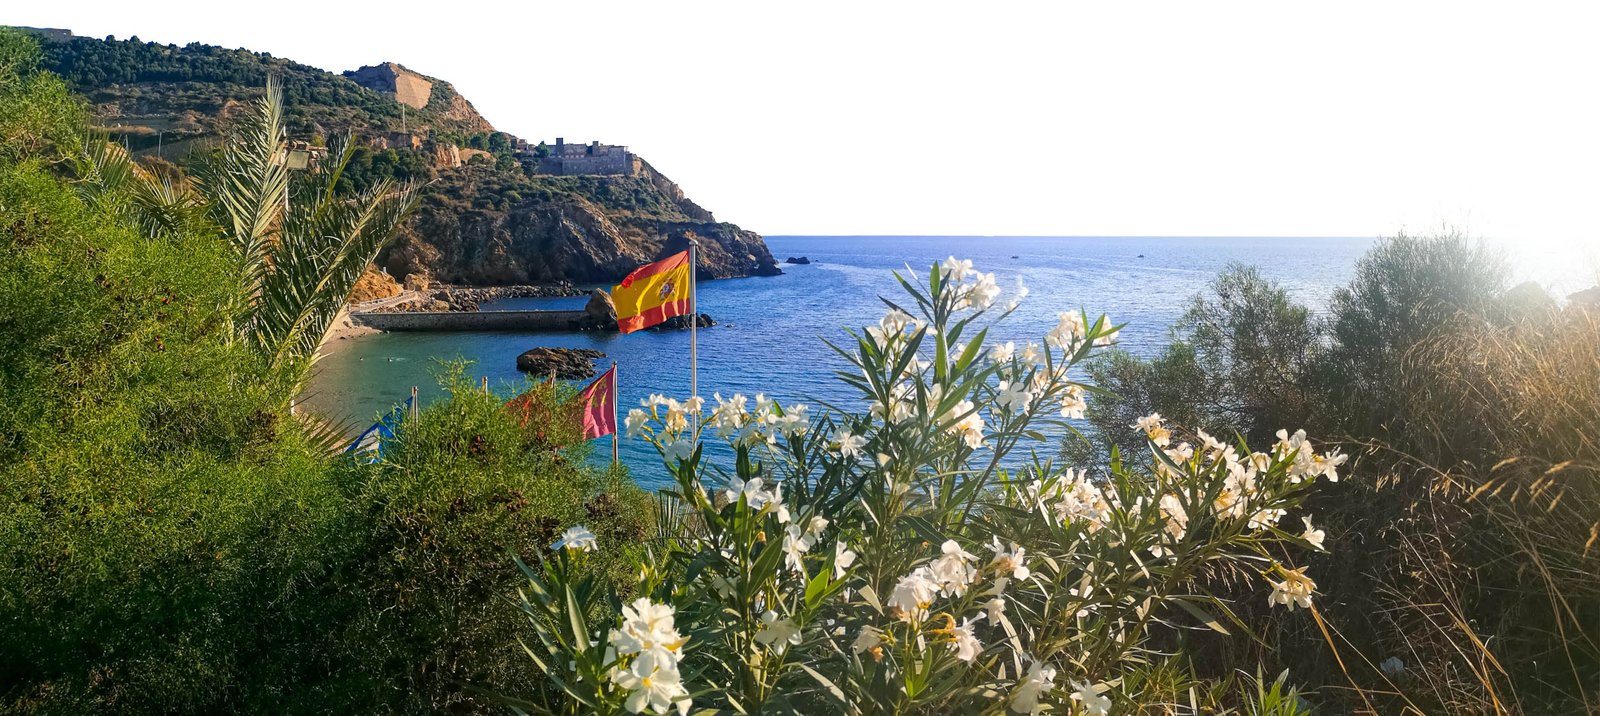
x,y
472,320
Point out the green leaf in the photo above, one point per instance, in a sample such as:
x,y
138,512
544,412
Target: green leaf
x,y
1204,617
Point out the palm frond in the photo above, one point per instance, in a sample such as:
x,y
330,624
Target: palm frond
x,y
327,243
103,170
163,204
248,184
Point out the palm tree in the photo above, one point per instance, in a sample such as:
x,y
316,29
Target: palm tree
x,y
300,245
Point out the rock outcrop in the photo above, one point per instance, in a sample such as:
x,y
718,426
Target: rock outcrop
x,y
600,313
419,91
407,87
557,237
679,323
566,363
374,284
799,260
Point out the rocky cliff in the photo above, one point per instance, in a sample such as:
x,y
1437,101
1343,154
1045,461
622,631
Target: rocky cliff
x,y
487,216
553,228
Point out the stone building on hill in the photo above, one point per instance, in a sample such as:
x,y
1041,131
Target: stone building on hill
x,y
593,158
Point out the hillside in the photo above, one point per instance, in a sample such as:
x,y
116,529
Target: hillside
x,y
490,215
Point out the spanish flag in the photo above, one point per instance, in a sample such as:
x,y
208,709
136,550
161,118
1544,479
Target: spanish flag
x,y
653,293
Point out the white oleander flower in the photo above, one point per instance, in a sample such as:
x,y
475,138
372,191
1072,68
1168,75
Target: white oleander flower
x,y
1295,589
1088,695
729,414
896,321
1068,331
1080,499
1312,535
984,291
1264,518
849,445
576,539
676,419
843,557
1073,403
1154,429
969,427
913,594
1031,354
869,637
1037,681
750,490
795,546
953,570
777,634
1013,397
1177,521
994,609
636,421
1003,352
1011,562
1327,464
793,422
956,269
679,450
963,641
647,626
654,680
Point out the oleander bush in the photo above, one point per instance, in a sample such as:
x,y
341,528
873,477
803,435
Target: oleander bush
x,y
914,557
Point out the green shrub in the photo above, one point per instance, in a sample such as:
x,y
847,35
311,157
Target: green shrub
x,y
172,539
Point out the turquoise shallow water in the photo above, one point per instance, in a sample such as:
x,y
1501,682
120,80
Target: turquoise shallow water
x,y
771,329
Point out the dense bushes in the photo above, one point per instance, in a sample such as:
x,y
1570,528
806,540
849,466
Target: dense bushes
x,y
1471,514
173,539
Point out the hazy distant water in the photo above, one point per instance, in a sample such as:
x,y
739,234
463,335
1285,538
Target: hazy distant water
x,y
771,328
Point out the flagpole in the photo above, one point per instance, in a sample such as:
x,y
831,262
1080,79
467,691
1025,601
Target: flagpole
x,y
694,319
614,425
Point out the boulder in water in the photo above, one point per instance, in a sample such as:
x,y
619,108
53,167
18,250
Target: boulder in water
x,y
797,260
566,363
600,313
682,322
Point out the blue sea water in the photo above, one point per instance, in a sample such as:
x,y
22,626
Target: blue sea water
x,y
771,329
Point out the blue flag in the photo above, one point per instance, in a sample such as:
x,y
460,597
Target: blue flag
x,y
369,446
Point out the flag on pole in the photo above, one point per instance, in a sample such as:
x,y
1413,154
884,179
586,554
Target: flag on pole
x,y
600,406
653,293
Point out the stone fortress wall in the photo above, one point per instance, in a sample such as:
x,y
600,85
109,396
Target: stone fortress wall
x,y
592,158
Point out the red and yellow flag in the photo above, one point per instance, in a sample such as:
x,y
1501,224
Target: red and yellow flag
x,y
600,406
653,293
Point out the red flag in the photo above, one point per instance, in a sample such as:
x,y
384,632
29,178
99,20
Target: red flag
x,y
600,406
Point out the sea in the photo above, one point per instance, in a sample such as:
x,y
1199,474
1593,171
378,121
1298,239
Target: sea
x,y
771,331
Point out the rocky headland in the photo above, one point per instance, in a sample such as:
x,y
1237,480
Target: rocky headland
x,y
496,210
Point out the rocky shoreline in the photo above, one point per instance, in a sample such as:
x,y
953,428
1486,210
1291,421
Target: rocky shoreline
x,y
467,298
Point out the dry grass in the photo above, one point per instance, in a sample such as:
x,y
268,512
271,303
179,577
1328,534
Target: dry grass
x,y
1493,596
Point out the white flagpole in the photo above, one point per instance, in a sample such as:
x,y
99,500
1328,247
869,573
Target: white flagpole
x,y
694,319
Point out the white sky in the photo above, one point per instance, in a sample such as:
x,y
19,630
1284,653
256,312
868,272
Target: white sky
x,y
1183,118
